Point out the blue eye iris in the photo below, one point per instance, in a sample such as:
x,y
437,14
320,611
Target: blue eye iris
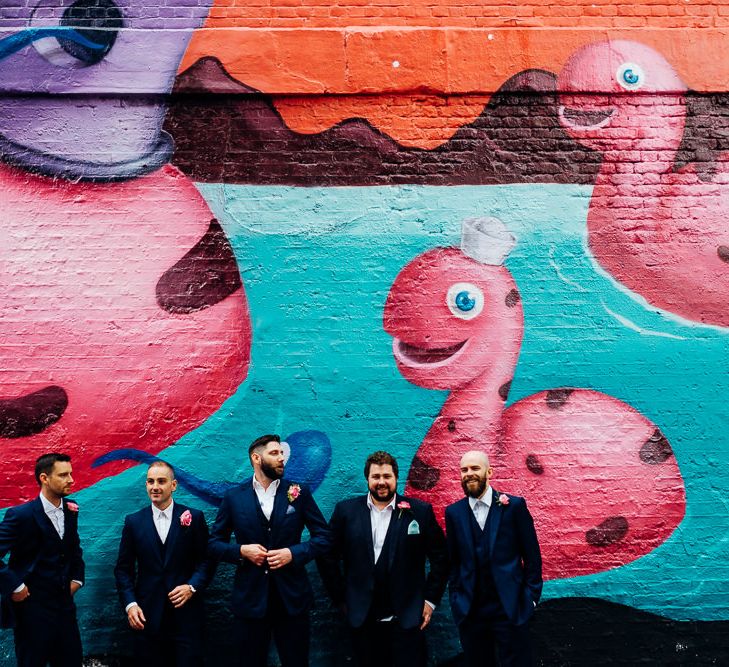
x,y
631,77
465,302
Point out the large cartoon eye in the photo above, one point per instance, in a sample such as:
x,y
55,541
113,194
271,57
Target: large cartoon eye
x,y
630,76
98,22
465,300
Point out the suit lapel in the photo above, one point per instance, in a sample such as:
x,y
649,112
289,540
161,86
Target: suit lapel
x,y
174,531
43,521
280,503
364,527
464,518
496,511
394,534
150,531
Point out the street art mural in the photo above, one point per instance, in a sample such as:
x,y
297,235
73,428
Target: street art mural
x,y
214,228
456,319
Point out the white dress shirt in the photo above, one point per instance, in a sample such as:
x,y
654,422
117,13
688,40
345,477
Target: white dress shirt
x,y
380,522
163,520
266,496
481,506
55,514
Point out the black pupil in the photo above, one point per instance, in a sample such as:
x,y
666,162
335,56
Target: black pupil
x,y
97,20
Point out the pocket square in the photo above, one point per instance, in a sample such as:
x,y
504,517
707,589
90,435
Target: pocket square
x,y
290,510
414,528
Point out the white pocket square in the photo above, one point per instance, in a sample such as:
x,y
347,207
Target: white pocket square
x,y
414,528
290,510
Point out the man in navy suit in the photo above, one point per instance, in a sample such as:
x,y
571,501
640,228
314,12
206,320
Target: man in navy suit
x,y
161,573
496,568
383,541
44,571
271,592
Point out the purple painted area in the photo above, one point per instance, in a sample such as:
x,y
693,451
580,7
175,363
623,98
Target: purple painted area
x,y
70,110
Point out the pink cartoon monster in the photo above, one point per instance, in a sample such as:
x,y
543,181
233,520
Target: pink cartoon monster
x,y
658,230
123,324
601,480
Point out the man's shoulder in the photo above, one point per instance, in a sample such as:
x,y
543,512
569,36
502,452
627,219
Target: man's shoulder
x,y
139,514
25,508
456,506
414,503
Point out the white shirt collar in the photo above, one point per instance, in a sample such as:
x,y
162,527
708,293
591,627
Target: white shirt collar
x,y
48,506
272,487
486,498
372,506
167,511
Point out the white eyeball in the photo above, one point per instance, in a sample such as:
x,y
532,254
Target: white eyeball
x,y
630,76
465,300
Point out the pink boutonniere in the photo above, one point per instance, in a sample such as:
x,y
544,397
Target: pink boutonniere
x,y
502,500
293,493
403,505
185,518
72,507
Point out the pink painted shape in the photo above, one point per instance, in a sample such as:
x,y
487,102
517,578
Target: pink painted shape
x,y
575,454
80,263
662,233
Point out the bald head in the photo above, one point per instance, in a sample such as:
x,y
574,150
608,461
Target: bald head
x,y
475,473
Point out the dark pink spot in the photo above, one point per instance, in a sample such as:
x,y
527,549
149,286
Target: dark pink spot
x,y
32,413
723,252
534,465
556,398
504,390
422,476
452,425
512,298
609,532
656,449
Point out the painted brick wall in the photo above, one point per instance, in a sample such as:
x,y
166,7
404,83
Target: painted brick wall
x,y
230,218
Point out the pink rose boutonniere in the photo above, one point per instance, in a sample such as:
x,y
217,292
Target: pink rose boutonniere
x,y
503,500
72,507
185,518
403,505
293,493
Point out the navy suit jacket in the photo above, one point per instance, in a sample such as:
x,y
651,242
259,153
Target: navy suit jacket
x,y
414,536
516,561
38,556
146,570
241,515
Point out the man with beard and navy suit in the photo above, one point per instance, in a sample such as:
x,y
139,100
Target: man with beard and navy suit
x,y
271,593
383,541
161,573
496,569
44,571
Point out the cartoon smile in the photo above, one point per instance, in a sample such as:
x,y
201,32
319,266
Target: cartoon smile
x,y
32,413
414,355
585,119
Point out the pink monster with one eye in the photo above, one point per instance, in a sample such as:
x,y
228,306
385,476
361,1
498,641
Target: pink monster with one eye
x,y
659,230
601,480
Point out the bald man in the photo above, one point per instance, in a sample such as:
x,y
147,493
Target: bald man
x,y
496,569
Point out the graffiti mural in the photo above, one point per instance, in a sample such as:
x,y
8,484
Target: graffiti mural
x,y
457,323
156,159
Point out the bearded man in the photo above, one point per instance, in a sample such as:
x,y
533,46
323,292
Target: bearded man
x,y
271,592
496,569
383,540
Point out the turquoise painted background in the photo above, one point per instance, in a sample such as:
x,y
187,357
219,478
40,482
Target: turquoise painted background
x,y
317,265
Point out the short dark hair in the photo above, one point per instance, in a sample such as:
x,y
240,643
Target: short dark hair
x,y
380,458
262,441
162,462
45,462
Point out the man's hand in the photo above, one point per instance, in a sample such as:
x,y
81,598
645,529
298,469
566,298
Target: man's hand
x,y
427,613
136,617
254,553
74,587
278,558
180,595
20,595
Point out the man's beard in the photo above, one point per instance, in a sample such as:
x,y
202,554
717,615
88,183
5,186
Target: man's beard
x,y
480,488
376,495
272,472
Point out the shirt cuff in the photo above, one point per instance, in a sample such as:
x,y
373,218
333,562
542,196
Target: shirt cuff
x,y
192,588
76,581
430,604
129,606
19,588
